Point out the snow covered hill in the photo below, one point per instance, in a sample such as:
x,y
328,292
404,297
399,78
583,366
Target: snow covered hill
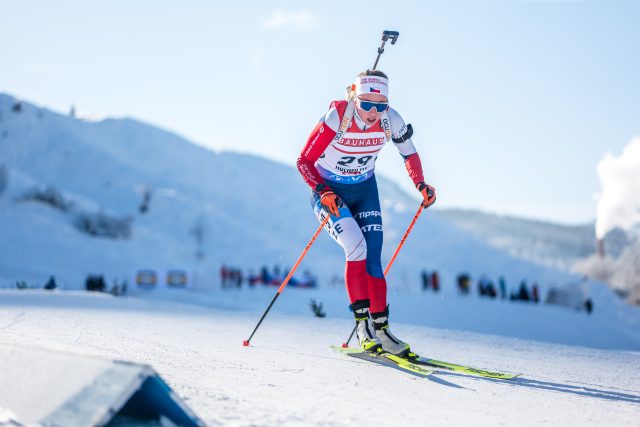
x,y
554,245
248,211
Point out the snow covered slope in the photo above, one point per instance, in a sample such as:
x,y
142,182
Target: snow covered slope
x,y
542,242
290,377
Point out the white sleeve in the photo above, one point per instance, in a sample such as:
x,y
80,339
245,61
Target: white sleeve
x,y
332,119
398,130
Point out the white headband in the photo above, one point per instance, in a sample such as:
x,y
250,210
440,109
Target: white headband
x,y
372,84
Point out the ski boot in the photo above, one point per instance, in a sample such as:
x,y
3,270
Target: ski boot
x,y
389,342
364,331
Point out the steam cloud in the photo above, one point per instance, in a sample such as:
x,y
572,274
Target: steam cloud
x,y
619,198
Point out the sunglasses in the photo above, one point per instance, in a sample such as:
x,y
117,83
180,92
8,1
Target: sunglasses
x,y
368,105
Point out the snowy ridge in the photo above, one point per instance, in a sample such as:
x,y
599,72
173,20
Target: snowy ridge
x,y
554,245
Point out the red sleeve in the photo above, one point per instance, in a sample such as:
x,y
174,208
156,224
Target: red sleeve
x,y
317,142
414,167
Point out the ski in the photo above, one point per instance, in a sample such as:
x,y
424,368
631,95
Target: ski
x,y
384,358
439,364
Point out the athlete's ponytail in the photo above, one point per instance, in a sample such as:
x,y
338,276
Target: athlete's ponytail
x,y
373,73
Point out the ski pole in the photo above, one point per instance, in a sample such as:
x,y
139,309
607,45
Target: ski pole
x,y
404,238
393,258
286,280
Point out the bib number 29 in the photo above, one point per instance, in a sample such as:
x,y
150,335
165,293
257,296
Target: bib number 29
x,y
347,160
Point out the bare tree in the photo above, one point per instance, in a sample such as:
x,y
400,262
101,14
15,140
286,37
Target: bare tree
x,y
4,178
199,232
147,192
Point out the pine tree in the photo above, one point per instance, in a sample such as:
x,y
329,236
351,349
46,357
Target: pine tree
x,y
316,308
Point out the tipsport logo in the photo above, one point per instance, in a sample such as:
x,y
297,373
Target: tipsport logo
x,y
367,214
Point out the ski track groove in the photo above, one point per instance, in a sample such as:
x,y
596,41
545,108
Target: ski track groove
x,y
15,320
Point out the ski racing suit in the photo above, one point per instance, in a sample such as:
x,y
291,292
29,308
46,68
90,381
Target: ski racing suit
x,y
346,166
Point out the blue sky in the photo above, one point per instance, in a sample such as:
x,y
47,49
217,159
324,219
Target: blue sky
x,y
513,102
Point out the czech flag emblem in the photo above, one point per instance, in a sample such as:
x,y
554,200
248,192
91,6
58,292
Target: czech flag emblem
x,y
374,90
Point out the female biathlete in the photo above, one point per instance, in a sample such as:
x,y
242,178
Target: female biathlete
x,y
338,163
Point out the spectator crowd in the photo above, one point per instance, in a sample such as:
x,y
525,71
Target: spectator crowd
x,y
524,292
233,277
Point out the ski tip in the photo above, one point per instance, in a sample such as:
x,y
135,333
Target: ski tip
x,y
245,343
344,345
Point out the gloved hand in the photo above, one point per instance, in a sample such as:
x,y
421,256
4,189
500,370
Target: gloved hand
x,y
428,193
330,201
